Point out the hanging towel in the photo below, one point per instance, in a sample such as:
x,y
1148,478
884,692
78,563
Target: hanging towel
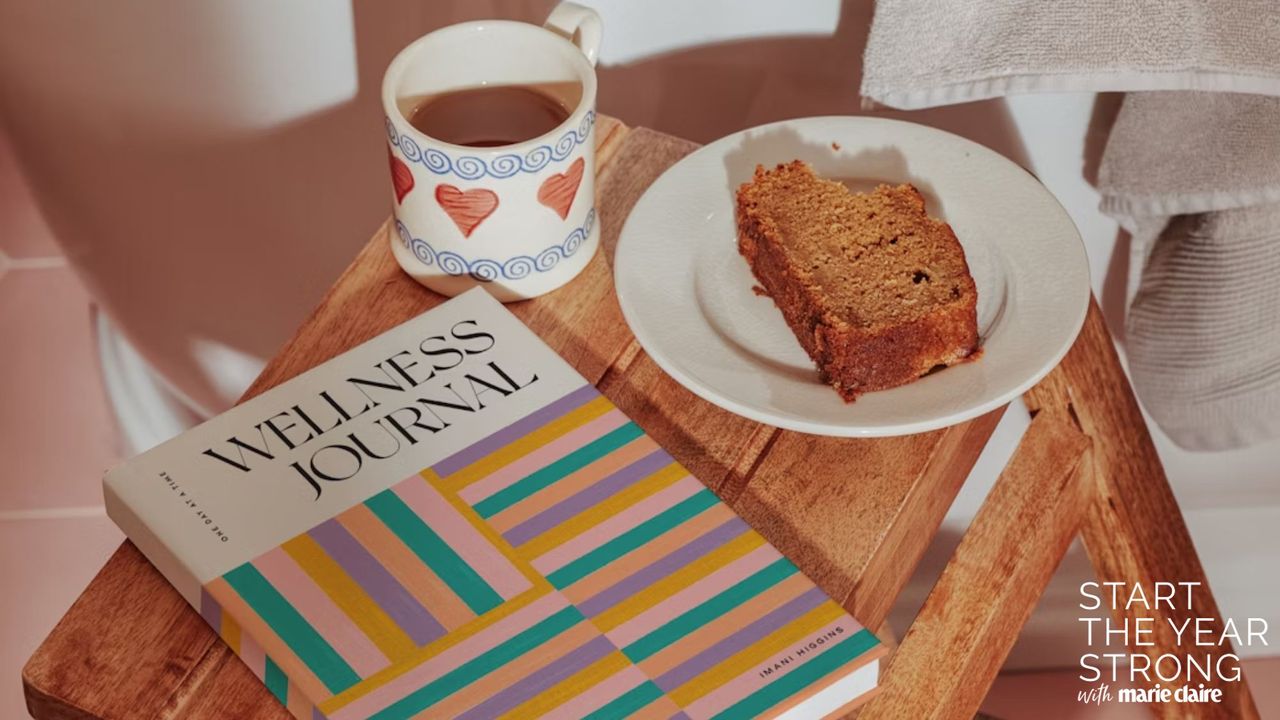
x,y
1195,179
1191,170
1203,332
1176,153
923,53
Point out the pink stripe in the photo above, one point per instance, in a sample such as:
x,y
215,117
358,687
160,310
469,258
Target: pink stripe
x,y
596,696
750,681
543,456
628,518
252,655
464,651
470,545
690,597
308,599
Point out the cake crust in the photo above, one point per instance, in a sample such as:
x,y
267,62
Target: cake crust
x,y
877,292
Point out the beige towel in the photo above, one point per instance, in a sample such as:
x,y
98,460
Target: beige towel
x,y
1193,176
1203,332
1174,153
1195,179
923,53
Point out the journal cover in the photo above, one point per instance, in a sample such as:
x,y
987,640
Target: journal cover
x,y
449,521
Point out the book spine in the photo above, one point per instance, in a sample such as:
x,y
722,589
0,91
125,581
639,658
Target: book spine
x,y
223,623
145,539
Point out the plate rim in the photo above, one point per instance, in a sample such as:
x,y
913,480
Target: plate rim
x,y
826,429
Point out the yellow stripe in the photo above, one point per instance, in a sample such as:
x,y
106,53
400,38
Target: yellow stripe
x,y
350,597
405,565
480,688
644,555
498,542
677,581
579,524
569,688
430,650
751,656
230,632
514,451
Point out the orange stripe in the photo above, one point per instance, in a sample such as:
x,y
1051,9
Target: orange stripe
x,y
660,709
279,652
298,704
651,551
570,484
405,566
489,685
465,641
724,626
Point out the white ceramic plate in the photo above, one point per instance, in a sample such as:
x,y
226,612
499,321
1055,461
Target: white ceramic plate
x,y
686,292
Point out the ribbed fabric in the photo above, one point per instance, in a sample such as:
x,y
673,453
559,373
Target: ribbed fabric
x,y
1195,179
1204,329
923,53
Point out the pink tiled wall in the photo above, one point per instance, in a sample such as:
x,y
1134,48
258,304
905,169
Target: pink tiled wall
x,y
56,436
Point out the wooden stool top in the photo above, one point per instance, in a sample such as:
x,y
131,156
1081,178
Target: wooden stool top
x,y
854,514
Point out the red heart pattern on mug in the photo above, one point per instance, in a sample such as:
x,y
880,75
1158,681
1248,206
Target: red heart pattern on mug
x,y
401,176
557,192
467,208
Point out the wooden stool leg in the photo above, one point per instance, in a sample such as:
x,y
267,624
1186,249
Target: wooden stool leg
x,y
1133,529
952,652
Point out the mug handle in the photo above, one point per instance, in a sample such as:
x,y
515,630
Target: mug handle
x,y
578,24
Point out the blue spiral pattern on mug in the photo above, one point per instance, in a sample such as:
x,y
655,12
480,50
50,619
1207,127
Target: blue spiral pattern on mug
x,y
486,270
436,161
474,167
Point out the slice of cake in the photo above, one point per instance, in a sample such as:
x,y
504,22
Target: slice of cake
x,y
877,292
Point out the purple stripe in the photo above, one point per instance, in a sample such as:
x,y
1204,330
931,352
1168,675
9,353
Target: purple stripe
x,y
588,497
540,680
749,635
635,583
515,430
210,611
384,589
316,714
679,716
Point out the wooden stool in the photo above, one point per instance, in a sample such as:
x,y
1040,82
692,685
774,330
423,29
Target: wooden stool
x,y
855,515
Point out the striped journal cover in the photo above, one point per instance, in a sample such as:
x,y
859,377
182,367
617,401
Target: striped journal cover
x,y
555,563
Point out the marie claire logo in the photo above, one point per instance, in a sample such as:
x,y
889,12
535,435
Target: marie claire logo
x,y
1149,645
800,652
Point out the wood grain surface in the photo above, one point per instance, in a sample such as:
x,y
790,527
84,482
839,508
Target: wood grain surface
x,y
1132,529
972,617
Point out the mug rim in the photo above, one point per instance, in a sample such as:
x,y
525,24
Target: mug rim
x,y
398,64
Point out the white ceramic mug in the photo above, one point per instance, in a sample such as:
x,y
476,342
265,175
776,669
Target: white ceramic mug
x,y
518,219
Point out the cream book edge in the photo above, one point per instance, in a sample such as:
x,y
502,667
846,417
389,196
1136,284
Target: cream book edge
x,y
449,521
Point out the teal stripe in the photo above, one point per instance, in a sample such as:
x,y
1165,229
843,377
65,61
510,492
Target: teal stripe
x,y
469,672
710,609
435,552
633,538
275,680
557,470
757,703
628,703
295,631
